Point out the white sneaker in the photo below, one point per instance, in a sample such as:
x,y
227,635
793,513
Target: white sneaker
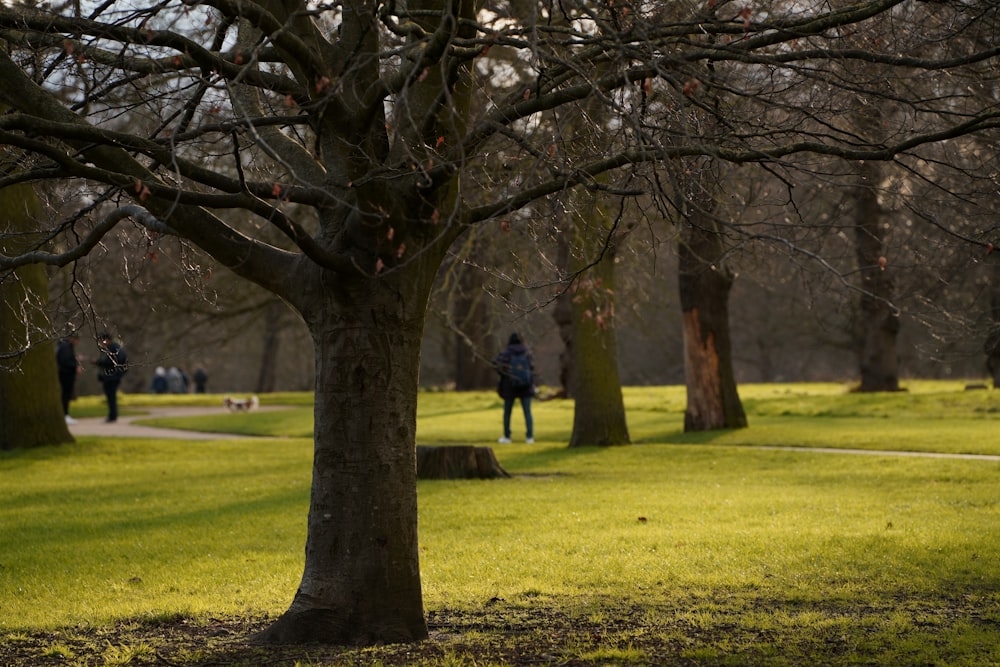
x,y
70,420
530,441
504,441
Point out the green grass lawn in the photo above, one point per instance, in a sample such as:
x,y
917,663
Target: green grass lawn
x,y
682,549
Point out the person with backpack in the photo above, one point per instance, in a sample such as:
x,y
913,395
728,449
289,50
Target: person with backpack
x,y
112,364
517,381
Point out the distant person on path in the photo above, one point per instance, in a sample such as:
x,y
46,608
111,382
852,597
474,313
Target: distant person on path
x,y
200,380
113,364
159,384
68,363
177,381
517,381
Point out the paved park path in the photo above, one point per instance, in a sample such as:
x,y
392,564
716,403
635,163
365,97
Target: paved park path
x,y
126,427
882,452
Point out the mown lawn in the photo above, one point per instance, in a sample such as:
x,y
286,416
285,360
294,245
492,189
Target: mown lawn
x,y
705,549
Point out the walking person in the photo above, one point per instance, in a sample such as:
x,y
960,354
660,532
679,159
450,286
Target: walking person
x,y
113,364
68,363
200,380
517,382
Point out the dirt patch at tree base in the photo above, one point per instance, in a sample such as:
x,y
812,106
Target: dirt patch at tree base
x,y
522,634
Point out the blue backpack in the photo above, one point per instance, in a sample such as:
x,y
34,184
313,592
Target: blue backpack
x,y
519,371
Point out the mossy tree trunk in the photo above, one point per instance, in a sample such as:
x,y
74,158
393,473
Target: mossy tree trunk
x,y
30,410
599,410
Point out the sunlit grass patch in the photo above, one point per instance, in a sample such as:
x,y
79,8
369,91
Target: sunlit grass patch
x,y
696,516
59,650
615,656
125,528
292,422
707,548
114,656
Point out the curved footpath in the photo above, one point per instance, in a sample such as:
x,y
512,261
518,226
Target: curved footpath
x,y
126,427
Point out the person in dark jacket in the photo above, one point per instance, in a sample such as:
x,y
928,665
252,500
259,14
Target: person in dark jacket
x,y
200,380
113,363
517,381
159,385
69,367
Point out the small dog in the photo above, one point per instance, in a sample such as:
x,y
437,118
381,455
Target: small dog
x,y
241,404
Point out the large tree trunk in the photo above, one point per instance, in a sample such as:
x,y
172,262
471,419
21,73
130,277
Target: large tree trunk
x,y
599,410
705,281
879,320
361,583
361,580
30,409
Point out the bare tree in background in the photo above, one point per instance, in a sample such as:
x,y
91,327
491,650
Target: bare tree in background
x,y
705,281
470,315
359,131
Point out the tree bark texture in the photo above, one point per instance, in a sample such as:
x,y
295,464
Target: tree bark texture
x,y
458,462
878,325
30,410
705,282
361,582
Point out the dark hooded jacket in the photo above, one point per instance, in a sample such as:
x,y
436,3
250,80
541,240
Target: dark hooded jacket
x,y
506,387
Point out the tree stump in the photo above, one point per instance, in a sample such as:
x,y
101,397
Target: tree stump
x,y
460,462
